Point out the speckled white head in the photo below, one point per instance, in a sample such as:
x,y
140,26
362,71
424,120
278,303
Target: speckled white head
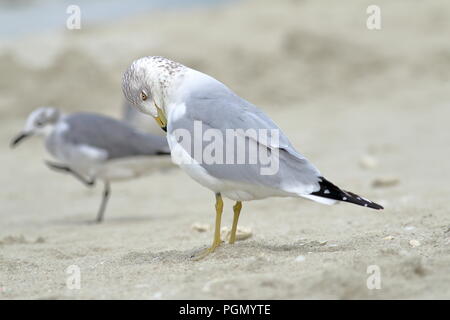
x,y
148,81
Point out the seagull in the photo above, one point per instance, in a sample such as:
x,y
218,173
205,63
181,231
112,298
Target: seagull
x,y
182,99
91,146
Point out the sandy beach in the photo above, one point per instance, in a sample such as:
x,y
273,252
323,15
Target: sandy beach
x,y
369,108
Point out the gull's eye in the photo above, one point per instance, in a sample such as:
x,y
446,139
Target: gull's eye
x,y
143,96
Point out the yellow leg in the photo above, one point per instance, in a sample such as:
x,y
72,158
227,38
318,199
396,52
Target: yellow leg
x,y
219,210
216,241
237,210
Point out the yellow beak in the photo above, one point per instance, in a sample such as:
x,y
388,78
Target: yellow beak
x,y
161,119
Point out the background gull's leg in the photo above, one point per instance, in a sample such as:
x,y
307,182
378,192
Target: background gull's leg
x,y
64,168
105,198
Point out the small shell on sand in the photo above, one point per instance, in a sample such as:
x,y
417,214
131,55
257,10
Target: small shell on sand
x,y
40,240
414,243
242,233
385,182
201,227
388,238
20,239
368,162
157,296
300,258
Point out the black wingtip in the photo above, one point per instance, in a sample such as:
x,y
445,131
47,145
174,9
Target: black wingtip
x,y
356,199
331,191
376,206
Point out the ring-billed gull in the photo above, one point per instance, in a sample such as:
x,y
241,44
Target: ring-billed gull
x,y
182,100
91,146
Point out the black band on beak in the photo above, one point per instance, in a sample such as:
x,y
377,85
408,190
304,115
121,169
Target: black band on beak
x,y
18,138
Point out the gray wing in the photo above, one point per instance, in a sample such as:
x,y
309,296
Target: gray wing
x,y
219,108
117,138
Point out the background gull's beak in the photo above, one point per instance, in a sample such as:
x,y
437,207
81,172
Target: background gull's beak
x,y
19,138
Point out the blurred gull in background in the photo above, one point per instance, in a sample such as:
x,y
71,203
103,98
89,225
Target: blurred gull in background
x,y
91,146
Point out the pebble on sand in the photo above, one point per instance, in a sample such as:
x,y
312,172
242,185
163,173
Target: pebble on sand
x,y
385,182
242,233
20,239
300,258
201,227
368,162
414,243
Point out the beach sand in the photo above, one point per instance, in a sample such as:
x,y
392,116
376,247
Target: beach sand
x,y
369,108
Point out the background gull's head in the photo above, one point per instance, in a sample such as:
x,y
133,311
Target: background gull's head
x,y
39,122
